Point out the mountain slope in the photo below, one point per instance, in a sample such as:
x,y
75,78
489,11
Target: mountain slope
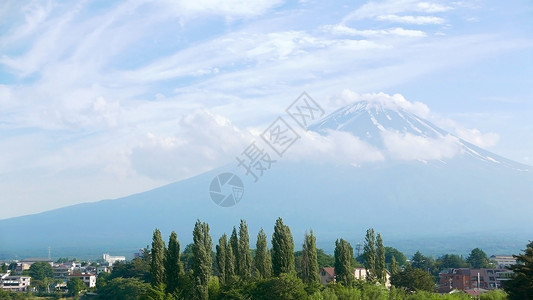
x,y
473,192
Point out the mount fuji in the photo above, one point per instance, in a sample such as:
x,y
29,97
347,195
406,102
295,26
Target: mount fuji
x,y
420,186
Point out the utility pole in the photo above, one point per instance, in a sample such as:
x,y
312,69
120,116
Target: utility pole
x,y
358,248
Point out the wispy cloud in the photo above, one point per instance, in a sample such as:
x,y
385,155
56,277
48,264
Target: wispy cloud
x,y
419,20
344,30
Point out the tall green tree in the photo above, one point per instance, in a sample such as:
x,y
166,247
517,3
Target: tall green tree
x,y
234,241
245,254
230,263
157,265
262,265
310,259
282,249
370,255
343,263
202,247
221,258
394,267
173,265
75,286
380,272
521,285
478,259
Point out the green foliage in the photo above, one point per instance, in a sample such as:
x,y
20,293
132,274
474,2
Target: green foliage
x,y
324,260
186,257
424,263
413,279
245,254
282,249
3,268
221,258
123,289
75,286
343,263
394,267
495,295
285,286
157,265
41,273
262,263
448,261
521,285
478,259
234,241
173,266
380,271
41,270
138,268
370,256
5,295
202,263
310,260
391,252
230,263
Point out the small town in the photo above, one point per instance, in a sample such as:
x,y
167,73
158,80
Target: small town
x,y
162,271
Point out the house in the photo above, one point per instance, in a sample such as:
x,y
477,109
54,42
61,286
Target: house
x,y
88,279
327,275
14,283
101,269
466,279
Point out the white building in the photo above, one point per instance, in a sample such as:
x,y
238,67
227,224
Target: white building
x,y
503,261
111,260
88,279
14,283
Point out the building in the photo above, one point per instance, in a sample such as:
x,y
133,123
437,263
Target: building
x,y
62,271
111,260
103,269
14,283
327,275
466,279
503,261
26,263
88,279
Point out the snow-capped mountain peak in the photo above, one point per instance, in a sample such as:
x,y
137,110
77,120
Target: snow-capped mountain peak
x,y
401,134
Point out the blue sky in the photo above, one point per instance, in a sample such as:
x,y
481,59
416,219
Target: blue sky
x,y
101,99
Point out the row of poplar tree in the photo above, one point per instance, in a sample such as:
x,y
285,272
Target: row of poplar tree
x,y
234,260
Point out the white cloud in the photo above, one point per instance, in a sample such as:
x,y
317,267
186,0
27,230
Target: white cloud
x,y
373,9
333,147
398,31
202,141
419,20
476,137
407,146
227,8
394,102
